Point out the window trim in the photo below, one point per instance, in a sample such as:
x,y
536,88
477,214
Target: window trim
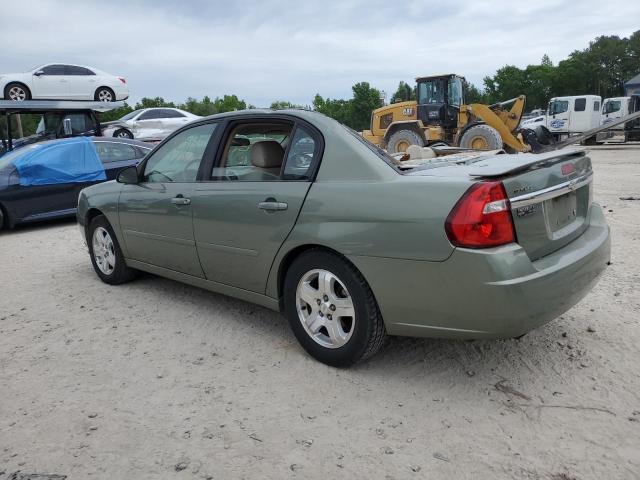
x,y
232,123
205,155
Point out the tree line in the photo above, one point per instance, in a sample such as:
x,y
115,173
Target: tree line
x,y
599,69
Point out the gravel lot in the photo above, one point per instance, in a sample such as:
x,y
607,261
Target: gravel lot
x,y
155,379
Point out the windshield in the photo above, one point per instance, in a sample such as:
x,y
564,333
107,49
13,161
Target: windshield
x,y
430,91
612,106
130,115
558,106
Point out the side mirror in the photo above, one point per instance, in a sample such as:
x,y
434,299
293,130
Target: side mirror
x,y
66,126
128,176
38,73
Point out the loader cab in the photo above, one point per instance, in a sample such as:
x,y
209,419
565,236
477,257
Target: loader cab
x,y
439,99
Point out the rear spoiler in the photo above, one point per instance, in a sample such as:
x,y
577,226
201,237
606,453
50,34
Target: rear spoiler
x,y
510,164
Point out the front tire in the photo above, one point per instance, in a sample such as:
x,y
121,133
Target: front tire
x,y
17,92
331,309
481,137
403,139
123,133
106,256
104,94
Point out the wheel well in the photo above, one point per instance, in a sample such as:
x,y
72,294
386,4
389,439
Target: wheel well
x,y
90,215
291,256
395,127
17,83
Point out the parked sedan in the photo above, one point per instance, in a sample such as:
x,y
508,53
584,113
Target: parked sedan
x,y
42,180
148,124
320,224
63,82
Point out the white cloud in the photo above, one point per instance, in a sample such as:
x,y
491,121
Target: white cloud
x,y
290,50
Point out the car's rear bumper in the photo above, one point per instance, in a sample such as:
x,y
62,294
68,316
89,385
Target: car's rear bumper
x,y
489,293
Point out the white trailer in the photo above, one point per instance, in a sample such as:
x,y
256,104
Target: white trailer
x,y
573,115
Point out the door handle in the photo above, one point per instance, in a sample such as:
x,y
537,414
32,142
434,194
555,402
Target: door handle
x,y
272,206
180,200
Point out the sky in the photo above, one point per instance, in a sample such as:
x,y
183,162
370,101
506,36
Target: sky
x,y
267,50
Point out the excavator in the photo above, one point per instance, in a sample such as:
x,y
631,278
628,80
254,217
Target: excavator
x,y
440,116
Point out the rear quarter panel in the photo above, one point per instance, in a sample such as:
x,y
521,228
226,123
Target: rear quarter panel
x,y
402,218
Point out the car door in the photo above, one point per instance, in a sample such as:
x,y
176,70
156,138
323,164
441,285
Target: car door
x,y
149,125
247,208
156,214
51,82
81,82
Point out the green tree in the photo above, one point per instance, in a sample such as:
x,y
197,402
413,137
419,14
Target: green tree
x,y
284,105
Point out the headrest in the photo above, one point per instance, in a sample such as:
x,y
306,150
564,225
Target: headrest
x,y
267,154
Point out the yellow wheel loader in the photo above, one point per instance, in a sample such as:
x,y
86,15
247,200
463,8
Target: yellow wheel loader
x,y
441,116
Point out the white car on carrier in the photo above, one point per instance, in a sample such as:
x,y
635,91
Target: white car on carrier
x,y
59,81
148,124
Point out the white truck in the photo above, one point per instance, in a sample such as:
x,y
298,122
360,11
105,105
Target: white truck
x,y
573,115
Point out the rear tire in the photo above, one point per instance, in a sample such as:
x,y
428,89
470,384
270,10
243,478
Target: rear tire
x,y
402,139
106,256
481,137
325,294
123,133
17,92
104,94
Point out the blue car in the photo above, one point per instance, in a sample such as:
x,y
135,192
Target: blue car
x,y
43,180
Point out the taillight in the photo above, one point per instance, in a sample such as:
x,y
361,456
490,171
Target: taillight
x,y
481,218
122,80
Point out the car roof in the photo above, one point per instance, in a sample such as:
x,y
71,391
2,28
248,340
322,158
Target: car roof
x,y
127,141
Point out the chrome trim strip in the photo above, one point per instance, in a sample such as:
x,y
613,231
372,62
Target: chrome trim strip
x,y
551,192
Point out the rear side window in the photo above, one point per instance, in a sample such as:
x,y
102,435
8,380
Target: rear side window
x,y
301,156
167,113
73,70
596,106
115,152
580,105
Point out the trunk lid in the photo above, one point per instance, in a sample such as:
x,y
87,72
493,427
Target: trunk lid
x,y
550,194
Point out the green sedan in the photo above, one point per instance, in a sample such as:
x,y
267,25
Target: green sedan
x,y
295,212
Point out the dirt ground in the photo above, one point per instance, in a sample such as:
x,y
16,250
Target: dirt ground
x,y
155,379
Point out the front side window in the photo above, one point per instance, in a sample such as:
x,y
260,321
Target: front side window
x,y
612,106
80,123
149,115
580,104
130,115
178,160
558,106
253,153
54,70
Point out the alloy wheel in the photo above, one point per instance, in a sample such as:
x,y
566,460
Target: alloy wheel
x,y
17,93
325,308
104,251
105,96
